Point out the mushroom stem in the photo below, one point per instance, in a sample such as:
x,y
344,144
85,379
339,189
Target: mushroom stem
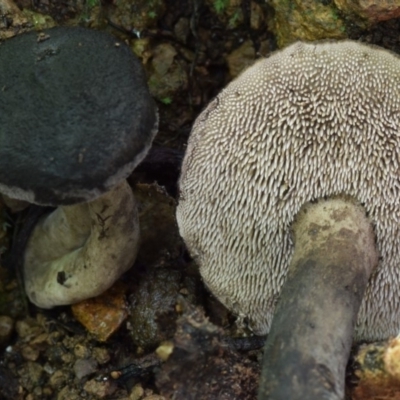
x,y
311,335
78,251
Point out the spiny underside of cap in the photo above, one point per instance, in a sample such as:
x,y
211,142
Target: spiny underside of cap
x,y
311,121
75,115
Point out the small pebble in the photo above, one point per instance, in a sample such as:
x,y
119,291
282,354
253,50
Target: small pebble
x,y
81,351
67,358
30,353
137,392
100,389
165,350
28,328
101,355
104,314
58,379
85,367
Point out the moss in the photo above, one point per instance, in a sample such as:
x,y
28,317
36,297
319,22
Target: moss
x,y
220,5
166,100
307,20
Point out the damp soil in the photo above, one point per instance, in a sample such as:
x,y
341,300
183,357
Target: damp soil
x,y
190,52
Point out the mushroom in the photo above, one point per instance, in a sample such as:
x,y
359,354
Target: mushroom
x,y
76,118
289,195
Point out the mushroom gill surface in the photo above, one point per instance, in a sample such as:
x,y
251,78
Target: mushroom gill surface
x,y
311,121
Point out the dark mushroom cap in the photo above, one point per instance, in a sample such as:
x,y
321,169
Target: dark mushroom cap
x,y
311,121
75,115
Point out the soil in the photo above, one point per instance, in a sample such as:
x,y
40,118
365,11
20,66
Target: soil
x,y
190,52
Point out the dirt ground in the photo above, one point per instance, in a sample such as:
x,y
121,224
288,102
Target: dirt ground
x,y
190,50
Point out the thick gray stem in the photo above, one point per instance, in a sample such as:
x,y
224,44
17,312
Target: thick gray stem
x,y
311,335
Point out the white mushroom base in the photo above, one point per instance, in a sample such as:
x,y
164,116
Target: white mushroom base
x,y
79,251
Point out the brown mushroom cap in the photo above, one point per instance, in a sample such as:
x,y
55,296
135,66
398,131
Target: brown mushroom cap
x,y
311,121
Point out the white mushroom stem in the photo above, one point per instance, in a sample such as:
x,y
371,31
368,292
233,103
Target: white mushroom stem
x,y
311,335
78,251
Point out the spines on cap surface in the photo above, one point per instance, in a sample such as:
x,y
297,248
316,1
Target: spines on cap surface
x,y
311,121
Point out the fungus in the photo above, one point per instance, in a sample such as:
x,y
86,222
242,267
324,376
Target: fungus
x,y
76,118
305,137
